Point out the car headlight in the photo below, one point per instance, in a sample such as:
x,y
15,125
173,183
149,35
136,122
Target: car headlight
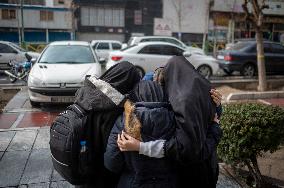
x,y
35,82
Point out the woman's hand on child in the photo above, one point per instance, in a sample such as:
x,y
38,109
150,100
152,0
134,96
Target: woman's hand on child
x,y
216,96
127,143
216,118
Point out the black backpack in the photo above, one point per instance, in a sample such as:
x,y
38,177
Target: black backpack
x,y
66,133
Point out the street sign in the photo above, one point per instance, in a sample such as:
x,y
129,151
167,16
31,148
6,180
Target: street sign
x,y
162,27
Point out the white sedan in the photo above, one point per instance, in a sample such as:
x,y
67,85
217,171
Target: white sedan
x,y
148,56
60,71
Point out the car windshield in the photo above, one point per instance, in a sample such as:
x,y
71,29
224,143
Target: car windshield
x,y
18,47
71,54
239,45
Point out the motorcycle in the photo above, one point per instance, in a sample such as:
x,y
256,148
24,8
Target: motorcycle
x,y
19,70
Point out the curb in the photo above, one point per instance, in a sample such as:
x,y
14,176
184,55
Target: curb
x,y
255,95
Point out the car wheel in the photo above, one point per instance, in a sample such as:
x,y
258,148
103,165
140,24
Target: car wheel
x,y
34,104
11,78
205,71
248,70
141,71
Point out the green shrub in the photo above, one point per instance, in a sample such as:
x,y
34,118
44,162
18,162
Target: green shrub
x,y
250,130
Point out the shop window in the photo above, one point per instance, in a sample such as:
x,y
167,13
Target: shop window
x,y
61,2
46,16
8,14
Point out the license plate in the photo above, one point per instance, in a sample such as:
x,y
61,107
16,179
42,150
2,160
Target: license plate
x,y
63,99
220,57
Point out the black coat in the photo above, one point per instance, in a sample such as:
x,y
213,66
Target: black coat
x,y
103,100
157,121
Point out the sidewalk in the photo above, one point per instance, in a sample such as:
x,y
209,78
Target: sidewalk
x,y
25,161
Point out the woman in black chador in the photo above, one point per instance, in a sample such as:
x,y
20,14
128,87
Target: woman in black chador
x,y
103,98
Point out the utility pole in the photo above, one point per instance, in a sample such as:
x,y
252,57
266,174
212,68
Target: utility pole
x,y
22,23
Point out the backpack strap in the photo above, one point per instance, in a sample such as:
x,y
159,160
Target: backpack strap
x,y
76,108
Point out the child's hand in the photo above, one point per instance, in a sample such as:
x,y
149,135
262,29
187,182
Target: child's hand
x,y
216,96
127,143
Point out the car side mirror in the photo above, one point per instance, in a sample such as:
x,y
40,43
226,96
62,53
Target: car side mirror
x,y
102,60
186,54
33,60
15,52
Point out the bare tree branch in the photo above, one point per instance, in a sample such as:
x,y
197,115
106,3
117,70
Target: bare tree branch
x,y
248,16
264,5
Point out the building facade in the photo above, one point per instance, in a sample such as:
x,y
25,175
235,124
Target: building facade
x,y
42,24
115,19
188,19
227,21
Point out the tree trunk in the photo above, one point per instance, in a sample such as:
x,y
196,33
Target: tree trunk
x,y
260,182
262,84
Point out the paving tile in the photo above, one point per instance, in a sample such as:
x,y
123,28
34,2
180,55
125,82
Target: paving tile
x,y
226,181
34,119
61,184
23,140
5,139
56,176
1,154
42,140
39,167
52,116
12,166
7,120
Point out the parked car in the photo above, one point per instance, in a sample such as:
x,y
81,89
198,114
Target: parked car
x,y
148,56
10,52
242,57
103,47
172,40
60,71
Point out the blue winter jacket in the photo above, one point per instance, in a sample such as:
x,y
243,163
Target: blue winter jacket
x,y
139,170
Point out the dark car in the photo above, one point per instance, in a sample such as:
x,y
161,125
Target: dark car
x,y
242,57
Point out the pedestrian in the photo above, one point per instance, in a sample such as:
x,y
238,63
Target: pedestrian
x,y
191,147
147,116
103,98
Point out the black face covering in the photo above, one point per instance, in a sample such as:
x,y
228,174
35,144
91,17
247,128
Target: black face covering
x,y
147,91
188,93
122,76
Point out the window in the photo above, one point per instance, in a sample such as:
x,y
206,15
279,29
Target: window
x,y
153,49
67,54
4,48
102,16
46,15
174,42
267,48
116,46
277,48
103,46
8,14
171,50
